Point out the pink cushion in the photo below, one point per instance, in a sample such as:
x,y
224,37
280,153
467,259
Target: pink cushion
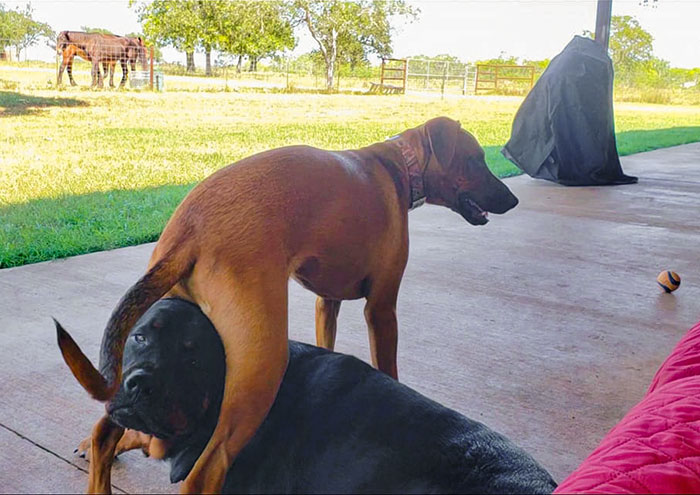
x,y
656,446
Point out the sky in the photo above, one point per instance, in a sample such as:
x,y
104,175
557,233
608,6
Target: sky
x,y
468,29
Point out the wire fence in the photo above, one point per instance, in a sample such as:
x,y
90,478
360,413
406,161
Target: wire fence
x,y
43,67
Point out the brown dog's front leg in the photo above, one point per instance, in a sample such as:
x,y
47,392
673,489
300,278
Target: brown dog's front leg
x,y
326,322
105,437
383,335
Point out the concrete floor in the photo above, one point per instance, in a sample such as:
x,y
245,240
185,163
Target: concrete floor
x,y
546,324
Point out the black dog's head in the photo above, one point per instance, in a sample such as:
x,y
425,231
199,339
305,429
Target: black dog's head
x,y
457,175
174,366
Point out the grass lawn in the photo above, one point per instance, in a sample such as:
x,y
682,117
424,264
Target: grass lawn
x,y
84,171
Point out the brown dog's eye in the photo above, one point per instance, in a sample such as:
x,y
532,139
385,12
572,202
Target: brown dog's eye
x,y
139,338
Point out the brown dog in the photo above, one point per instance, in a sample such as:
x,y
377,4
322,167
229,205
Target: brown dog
x,y
335,221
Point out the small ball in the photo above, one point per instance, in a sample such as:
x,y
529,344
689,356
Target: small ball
x,y
668,280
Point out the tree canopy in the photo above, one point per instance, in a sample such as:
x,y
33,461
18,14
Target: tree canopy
x,y
254,28
19,29
349,31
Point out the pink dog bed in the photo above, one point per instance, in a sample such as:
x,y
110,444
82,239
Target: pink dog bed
x,y
656,446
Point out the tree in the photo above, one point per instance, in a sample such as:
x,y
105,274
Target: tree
x,y
631,47
350,27
19,29
95,30
173,22
256,29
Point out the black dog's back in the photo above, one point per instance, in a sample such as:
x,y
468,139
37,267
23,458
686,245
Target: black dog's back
x,y
338,425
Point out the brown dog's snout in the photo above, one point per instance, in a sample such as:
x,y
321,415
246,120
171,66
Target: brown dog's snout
x,y
494,196
503,202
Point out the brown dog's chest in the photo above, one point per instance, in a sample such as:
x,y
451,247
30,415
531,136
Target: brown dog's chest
x,y
333,280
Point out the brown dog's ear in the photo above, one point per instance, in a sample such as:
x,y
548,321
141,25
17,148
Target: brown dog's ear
x,y
442,134
83,370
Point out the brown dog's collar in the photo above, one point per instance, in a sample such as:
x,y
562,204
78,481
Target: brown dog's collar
x,y
415,174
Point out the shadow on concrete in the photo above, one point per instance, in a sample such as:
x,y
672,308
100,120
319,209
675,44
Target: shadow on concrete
x,y
13,103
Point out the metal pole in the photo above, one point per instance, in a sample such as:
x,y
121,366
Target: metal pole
x,y
427,75
151,71
464,86
602,22
405,75
444,78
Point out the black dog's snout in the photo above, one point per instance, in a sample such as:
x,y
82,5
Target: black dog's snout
x,y
139,382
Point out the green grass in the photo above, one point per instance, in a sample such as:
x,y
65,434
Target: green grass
x,y
84,171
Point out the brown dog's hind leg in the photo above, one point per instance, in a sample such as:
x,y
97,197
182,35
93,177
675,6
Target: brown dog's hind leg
x,y
326,322
251,318
105,437
380,313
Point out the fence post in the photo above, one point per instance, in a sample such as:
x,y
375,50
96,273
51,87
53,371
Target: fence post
x,y
444,78
464,85
58,64
427,75
405,75
151,74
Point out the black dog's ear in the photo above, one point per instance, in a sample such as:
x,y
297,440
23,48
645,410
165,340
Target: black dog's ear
x,y
442,135
182,463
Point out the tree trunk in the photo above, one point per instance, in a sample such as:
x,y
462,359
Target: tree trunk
x,y
190,61
207,54
18,50
239,65
331,58
253,64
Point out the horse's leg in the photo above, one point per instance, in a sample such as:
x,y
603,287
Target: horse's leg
x,y
59,79
67,64
97,74
125,72
108,67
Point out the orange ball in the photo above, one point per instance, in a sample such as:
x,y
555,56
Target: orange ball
x,y
668,280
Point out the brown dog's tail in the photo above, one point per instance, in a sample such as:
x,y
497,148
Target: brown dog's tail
x,y
162,276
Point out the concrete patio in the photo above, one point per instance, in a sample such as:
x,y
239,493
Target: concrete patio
x,y
546,324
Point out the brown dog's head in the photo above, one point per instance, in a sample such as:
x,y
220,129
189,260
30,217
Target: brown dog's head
x,y
457,175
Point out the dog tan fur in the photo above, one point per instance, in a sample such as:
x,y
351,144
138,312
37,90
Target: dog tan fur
x,y
335,221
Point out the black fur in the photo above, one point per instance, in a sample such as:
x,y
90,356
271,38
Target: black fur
x,y
337,425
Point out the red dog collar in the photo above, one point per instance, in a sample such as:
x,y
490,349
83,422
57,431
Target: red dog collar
x,y
415,174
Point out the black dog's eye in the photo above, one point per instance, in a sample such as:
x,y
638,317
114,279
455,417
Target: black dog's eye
x,y
139,338
193,362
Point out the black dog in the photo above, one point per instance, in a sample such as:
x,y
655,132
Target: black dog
x,y
337,425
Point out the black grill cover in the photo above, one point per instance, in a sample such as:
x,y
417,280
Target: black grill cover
x,y
564,130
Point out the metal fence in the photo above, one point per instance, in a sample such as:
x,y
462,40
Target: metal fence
x,y
431,75
38,67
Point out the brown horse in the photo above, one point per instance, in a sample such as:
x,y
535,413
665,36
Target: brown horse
x,y
105,49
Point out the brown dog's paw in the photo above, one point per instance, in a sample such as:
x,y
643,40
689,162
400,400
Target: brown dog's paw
x,y
83,449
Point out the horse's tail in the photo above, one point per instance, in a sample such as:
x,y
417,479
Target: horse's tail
x,y
173,266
